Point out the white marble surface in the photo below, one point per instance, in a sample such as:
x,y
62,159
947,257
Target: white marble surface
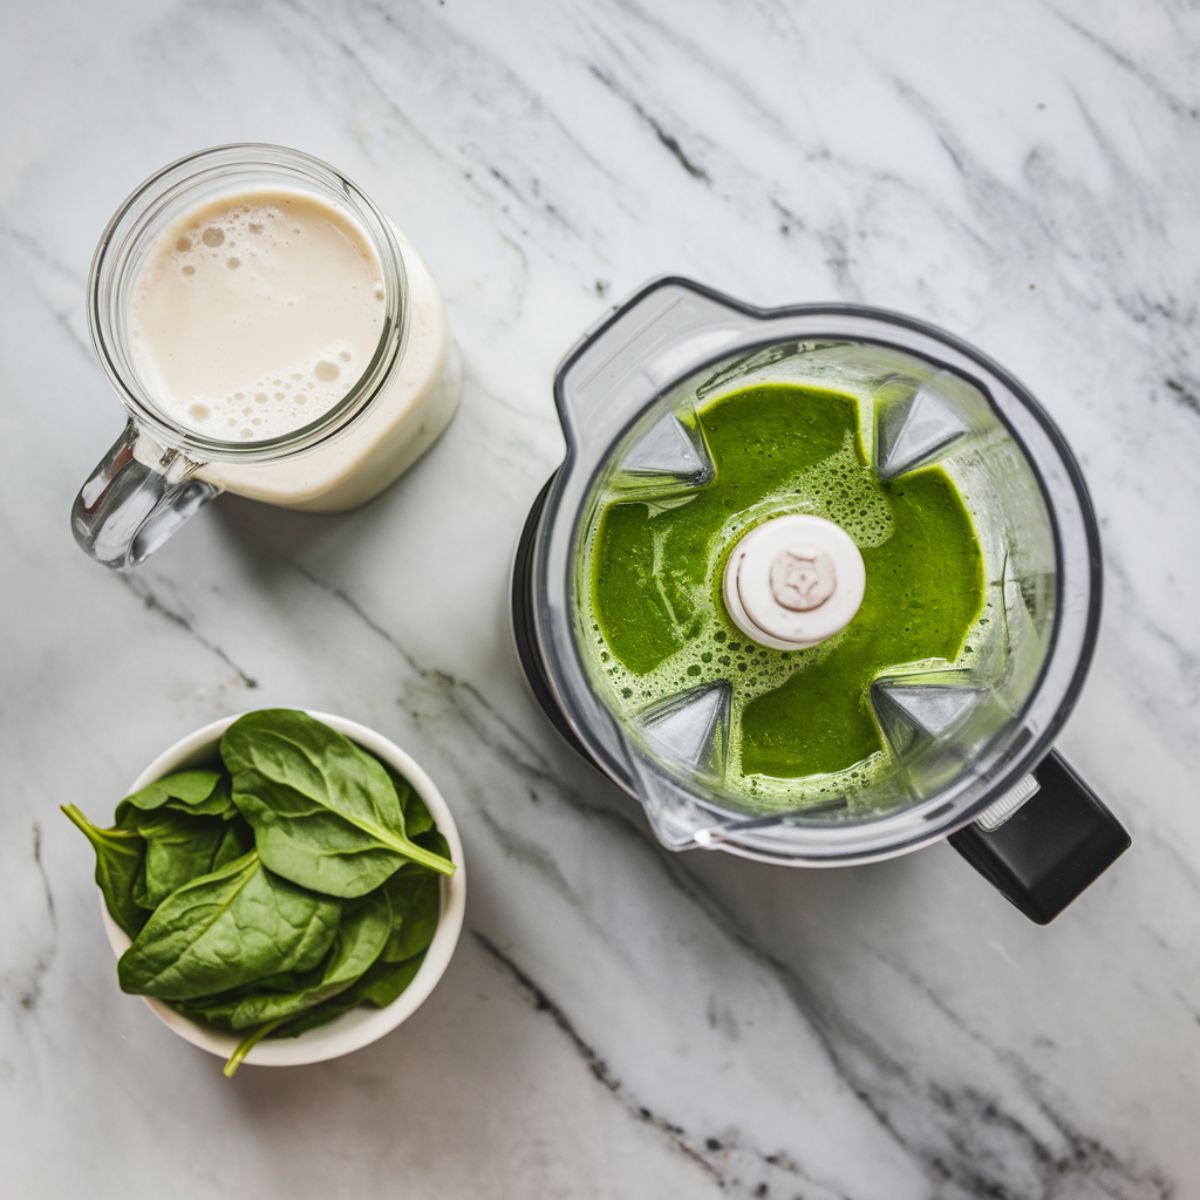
x,y
618,1022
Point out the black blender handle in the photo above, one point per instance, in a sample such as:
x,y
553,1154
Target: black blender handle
x,y
1052,848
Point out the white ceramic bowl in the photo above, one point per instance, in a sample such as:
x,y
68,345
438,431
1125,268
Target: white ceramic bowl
x,y
363,1025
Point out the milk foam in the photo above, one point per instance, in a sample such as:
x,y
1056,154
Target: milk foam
x,y
255,313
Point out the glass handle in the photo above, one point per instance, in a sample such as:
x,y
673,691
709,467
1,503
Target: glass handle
x,y
128,508
1044,847
667,327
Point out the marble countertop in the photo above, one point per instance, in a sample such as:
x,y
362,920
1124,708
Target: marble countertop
x,y
619,1021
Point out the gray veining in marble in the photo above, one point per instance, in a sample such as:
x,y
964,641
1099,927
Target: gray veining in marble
x,y
618,1022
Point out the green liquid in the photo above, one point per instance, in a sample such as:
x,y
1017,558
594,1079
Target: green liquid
x,y
660,623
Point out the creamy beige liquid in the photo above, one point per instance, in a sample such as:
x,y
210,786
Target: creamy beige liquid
x,y
256,312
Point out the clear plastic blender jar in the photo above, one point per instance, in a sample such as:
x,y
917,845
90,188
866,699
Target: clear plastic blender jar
x,y
968,744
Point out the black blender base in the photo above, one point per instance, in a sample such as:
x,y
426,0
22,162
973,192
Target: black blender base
x,y
524,634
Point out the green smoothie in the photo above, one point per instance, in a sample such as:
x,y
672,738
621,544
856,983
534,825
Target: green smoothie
x,y
657,615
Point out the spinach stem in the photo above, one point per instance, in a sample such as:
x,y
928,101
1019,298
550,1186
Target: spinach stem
x,y
247,1044
77,818
427,858
93,832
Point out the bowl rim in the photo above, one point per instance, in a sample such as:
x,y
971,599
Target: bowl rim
x,y
361,1026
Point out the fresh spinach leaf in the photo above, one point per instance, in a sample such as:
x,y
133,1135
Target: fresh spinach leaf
x,y
416,898
417,817
218,1009
236,839
219,803
359,942
281,981
225,929
433,840
216,1012
199,793
119,856
382,984
379,986
178,849
325,814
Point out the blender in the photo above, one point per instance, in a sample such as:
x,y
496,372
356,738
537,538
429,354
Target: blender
x,y
967,745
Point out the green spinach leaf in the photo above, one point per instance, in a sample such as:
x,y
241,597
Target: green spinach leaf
x,y
417,817
416,898
217,1012
199,793
382,984
236,839
433,840
218,1009
219,803
119,856
359,942
226,929
325,814
178,849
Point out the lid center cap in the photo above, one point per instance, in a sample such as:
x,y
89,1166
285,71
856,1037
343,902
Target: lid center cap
x,y
803,579
794,581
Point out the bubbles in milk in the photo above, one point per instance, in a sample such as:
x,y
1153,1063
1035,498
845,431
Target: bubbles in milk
x,y
256,313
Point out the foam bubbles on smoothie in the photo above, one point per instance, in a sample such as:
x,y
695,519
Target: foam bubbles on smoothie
x,y
847,493
718,652
712,650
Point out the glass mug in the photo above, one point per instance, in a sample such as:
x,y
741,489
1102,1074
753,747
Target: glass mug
x,y
159,473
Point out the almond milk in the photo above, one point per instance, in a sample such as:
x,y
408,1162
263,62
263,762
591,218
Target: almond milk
x,y
255,313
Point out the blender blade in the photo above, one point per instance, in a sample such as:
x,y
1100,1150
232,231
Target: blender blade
x,y
913,431
692,728
667,453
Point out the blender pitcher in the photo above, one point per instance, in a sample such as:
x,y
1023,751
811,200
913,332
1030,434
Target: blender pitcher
x,y
967,744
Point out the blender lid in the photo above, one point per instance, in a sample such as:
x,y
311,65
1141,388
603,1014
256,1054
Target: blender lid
x,y
963,737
